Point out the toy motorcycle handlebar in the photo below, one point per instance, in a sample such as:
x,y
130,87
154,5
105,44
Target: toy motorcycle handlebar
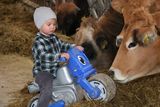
x,y
62,59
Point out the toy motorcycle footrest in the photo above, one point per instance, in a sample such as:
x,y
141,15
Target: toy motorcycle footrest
x,y
33,87
59,103
87,74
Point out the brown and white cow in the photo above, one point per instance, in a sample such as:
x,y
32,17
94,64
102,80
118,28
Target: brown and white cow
x,y
139,43
98,37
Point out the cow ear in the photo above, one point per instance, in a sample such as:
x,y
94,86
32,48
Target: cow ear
x,y
148,38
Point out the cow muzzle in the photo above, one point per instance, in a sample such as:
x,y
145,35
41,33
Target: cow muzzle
x,y
117,75
111,73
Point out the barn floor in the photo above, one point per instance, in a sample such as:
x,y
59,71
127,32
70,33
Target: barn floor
x,y
143,92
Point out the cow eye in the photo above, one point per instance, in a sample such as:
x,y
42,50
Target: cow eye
x,y
118,41
132,44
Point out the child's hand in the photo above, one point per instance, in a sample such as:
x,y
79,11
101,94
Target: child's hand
x,y
80,48
66,55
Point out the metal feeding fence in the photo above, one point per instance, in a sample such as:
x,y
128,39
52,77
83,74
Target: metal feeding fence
x,y
96,7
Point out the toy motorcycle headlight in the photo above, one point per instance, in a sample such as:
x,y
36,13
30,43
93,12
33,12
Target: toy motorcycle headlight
x,y
81,60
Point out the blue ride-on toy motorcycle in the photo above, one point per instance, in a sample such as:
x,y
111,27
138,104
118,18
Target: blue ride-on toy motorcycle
x,y
77,79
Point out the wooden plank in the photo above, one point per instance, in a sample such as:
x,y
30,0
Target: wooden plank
x,y
30,3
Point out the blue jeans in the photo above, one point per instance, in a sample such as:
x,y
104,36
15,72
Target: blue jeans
x,y
44,80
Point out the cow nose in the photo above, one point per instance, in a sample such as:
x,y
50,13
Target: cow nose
x,y
111,73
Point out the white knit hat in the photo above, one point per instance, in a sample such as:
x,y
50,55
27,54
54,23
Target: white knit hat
x,y
42,14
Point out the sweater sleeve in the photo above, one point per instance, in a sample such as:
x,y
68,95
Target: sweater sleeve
x,y
65,46
44,56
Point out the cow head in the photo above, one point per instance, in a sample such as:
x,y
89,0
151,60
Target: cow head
x,y
85,31
67,17
84,36
145,27
98,37
138,53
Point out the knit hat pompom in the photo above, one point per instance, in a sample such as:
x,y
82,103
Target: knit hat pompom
x,y
42,14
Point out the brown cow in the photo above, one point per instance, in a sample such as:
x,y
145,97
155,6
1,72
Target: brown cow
x,y
129,8
138,54
69,15
151,5
98,37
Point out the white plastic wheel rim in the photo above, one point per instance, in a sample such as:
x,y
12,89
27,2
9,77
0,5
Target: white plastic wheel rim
x,y
102,88
34,103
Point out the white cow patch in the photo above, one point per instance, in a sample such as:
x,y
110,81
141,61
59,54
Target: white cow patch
x,y
118,76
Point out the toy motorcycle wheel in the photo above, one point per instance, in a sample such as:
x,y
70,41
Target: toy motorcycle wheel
x,y
33,102
105,84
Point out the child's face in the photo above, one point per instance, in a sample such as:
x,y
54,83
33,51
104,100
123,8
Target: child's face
x,y
49,26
